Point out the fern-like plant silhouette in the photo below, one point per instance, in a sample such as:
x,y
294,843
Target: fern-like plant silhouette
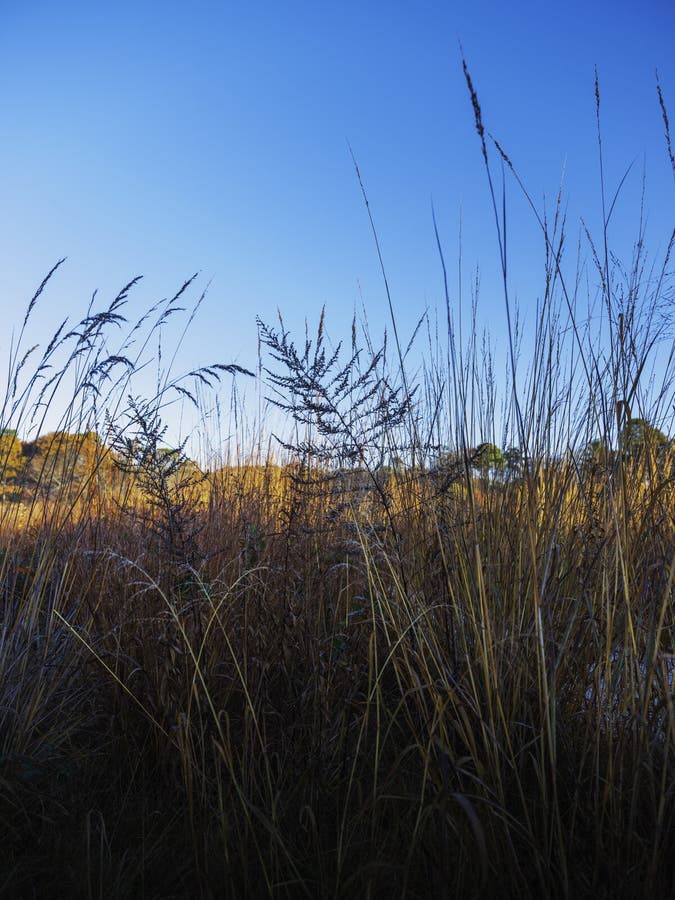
x,y
343,408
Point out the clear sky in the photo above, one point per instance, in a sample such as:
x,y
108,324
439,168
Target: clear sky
x,y
167,138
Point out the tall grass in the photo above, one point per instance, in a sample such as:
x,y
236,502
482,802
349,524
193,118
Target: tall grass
x,y
389,662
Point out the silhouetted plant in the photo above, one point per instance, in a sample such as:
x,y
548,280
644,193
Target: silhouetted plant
x,y
164,477
345,408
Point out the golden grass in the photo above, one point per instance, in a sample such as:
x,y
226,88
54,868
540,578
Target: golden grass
x,y
288,718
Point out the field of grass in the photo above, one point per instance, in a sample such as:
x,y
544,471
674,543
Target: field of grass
x,y
425,651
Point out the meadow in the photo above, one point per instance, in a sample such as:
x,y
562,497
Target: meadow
x,y
423,646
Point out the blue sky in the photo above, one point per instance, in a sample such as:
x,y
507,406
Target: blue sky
x,y
164,139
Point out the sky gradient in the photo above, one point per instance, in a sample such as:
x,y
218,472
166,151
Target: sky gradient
x,y
162,139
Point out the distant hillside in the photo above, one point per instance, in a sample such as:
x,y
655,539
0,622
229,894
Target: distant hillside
x,y
65,464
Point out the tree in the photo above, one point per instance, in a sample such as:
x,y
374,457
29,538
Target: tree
x,y
639,435
513,460
640,441
487,457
